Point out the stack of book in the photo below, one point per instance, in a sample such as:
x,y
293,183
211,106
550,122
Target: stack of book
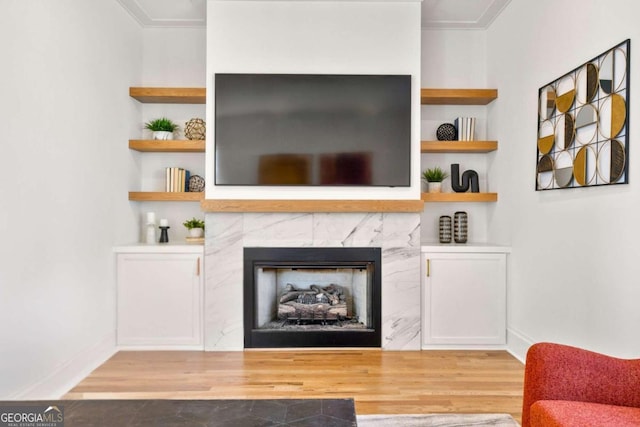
x,y
176,180
466,127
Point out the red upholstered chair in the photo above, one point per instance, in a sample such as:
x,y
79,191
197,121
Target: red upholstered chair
x,y
568,386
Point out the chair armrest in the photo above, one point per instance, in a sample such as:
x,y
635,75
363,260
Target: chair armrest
x,y
560,372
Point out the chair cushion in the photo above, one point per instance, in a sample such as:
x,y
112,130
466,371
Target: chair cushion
x,y
555,413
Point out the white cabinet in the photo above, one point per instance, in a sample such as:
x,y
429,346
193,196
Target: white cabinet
x,y
159,300
464,297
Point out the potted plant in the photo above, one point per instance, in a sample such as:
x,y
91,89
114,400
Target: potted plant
x,y
162,128
434,177
195,227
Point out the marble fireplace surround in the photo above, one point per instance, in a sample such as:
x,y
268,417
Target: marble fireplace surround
x,y
397,234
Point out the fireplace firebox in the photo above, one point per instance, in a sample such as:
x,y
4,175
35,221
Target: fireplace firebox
x,y
312,297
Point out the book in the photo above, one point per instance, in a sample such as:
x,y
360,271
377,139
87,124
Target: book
x,y
176,180
466,127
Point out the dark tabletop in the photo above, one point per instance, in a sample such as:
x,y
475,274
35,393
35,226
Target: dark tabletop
x,y
166,413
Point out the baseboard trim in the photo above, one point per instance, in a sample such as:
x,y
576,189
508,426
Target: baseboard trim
x,y
128,347
480,347
518,344
71,372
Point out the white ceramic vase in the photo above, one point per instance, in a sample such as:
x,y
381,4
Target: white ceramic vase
x,y
434,187
162,135
196,232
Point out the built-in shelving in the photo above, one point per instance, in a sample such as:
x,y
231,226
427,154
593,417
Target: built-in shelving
x,y
167,146
459,197
160,196
458,146
429,96
457,96
169,95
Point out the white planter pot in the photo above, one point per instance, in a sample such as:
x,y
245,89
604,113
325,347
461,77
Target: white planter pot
x,y
434,187
196,232
163,135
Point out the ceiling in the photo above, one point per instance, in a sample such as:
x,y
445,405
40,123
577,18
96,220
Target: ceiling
x,y
461,14
437,14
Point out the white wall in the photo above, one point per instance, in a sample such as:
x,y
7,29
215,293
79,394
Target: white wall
x,y
574,267
172,57
340,37
456,59
66,172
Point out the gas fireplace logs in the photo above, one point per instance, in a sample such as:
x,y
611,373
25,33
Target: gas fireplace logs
x,y
314,304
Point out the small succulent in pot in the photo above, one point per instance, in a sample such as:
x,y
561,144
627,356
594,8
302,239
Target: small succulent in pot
x,y
195,227
162,128
434,175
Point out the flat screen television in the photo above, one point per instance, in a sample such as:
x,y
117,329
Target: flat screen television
x,y
312,130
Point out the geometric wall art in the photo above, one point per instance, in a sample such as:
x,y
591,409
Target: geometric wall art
x,y
583,124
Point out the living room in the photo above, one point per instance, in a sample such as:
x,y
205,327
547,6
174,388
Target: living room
x,y
570,270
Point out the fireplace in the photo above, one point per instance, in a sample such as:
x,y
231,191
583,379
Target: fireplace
x,y
312,297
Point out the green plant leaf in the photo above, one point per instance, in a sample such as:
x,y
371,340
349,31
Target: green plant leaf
x,y
194,223
434,174
161,125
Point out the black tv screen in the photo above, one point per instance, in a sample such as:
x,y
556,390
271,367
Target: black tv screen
x,y
312,130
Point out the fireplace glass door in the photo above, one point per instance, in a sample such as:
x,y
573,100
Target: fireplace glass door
x,y
312,297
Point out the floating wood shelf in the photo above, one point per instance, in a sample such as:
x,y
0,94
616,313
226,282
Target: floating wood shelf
x,y
460,197
153,196
228,205
457,96
458,146
168,146
169,95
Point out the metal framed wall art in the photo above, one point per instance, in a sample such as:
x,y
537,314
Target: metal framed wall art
x,y
583,124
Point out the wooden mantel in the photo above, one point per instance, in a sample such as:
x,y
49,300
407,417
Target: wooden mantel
x,y
253,205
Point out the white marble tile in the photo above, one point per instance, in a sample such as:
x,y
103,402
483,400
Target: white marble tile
x,y
399,297
400,229
228,335
347,229
224,298
401,332
401,264
228,234
223,229
278,229
401,315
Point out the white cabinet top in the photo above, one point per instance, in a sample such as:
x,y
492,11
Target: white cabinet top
x,y
164,248
464,248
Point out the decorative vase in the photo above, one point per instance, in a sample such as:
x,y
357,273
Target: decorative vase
x,y
445,229
162,135
460,225
434,187
196,232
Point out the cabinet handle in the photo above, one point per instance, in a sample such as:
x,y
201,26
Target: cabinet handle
x,y
428,268
198,267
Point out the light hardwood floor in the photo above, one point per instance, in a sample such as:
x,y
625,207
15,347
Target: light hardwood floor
x,y
380,382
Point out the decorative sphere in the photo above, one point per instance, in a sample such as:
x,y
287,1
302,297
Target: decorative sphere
x,y
195,129
196,183
447,132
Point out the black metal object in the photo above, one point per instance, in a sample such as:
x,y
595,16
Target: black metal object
x,y
317,258
469,180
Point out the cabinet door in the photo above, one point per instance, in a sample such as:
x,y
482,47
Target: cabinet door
x,y
464,299
159,299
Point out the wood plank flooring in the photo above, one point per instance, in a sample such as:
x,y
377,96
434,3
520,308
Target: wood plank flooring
x,y
380,382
